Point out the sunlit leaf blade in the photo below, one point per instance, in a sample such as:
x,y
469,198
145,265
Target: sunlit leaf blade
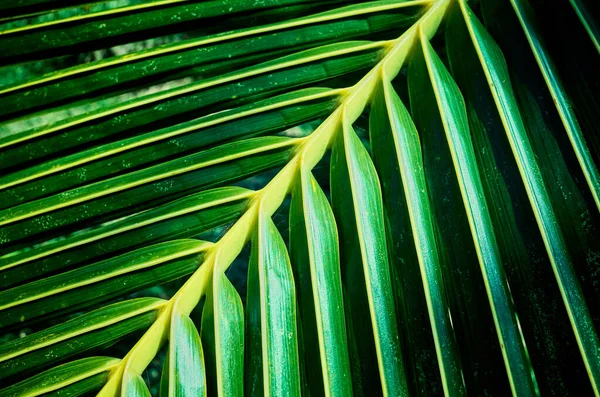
x,y
85,332
186,359
397,154
133,385
374,341
135,191
496,72
271,316
101,281
223,338
451,108
53,380
315,258
344,23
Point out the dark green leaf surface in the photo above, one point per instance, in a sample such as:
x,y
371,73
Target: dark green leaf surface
x,y
570,196
341,24
253,358
496,72
85,332
560,97
15,6
375,350
268,116
588,15
271,314
183,218
81,388
472,319
223,338
542,316
397,154
146,113
315,259
117,23
137,190
101,281
454,250
62,376
448,101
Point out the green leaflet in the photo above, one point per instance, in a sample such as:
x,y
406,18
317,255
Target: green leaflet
x,y
12,5
27,12
63,376
138,190
122,152
472,319
83,387
588,20
190,56
304,387
223,338
253,374
272,361
177,52
422,370
552,143
314,254
356,196
268,116
397,156
185,366
570,197
34,38
101,281
570,49
453,116
560,97
149,112
496,73
133,385
183,218
538,301
33,8
82,333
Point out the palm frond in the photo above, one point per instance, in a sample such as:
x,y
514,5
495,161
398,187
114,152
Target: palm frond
x,y
438,158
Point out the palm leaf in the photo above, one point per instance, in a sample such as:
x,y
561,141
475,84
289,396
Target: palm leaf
x,y
435,161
